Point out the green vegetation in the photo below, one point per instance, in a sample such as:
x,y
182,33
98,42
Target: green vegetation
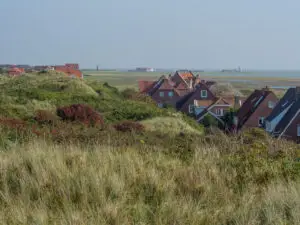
x,y
244,180
170,125
22,97
144,165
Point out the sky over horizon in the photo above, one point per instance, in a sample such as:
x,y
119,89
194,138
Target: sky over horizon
x,y
215,34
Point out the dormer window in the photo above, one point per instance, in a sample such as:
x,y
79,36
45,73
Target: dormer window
x,y
161,94
171,94
203,93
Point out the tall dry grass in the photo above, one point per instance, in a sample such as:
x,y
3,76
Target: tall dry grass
x,y
42,183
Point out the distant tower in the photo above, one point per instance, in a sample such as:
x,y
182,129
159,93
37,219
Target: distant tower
x,y
97,68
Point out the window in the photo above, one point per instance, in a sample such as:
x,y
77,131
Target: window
x,y
161,94
271,104
171,93
261,121
298,130
268,126
204,93
220,112
160,105
191,108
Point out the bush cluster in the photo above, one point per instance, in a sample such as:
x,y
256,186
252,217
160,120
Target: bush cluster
x,y
81,113
129,126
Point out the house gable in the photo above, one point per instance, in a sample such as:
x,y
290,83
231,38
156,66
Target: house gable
x,y
196,95
254,107
145,86
216,109
261,110
165,93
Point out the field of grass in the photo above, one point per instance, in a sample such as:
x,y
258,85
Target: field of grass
x,y
169,171
220,182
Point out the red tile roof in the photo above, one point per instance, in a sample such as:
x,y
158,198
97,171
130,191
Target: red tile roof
x,y
70,72
145,85
186,75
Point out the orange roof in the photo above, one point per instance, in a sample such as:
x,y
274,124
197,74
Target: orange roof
x,y
70,72
186,75
16,70
203,103
145,85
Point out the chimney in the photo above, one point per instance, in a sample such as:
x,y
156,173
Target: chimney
x,y
297,94
237,102
266,88
191,83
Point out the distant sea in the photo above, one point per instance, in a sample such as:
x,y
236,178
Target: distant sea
x,y
286,74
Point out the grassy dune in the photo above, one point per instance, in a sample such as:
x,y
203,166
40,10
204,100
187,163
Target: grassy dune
x,y
171,172
42,183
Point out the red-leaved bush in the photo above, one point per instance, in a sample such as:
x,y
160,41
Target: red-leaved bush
x,y
129,126
80,113
13,123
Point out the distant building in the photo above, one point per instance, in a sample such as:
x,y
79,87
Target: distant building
x,y
144,69
74,66
14,71
5,66
72,70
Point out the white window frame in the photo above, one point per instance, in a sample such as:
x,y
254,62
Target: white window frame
x,y
191,108
298,130
220,112
204,95
171,94
161,94
271,104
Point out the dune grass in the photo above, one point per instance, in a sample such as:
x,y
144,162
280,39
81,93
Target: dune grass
x,y
170,126
42,183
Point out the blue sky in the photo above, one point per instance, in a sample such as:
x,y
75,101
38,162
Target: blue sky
x,y
256,34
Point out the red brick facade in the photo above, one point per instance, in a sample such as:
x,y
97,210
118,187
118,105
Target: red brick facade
x,y
262,111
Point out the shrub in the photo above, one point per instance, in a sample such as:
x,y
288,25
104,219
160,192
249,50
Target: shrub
x,y
209,121
45,117
80,113
129,126
132,94
13,123
129,93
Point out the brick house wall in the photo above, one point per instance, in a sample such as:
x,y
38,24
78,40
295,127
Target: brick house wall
x,y
291,132
197,96
262,111
166,99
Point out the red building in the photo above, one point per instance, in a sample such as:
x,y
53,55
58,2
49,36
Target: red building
x,y
14,71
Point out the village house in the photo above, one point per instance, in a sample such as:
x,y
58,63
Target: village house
x,y
220,107
188,94
14,71
167,90
257,107
196,101
284,121
201,102
69,71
